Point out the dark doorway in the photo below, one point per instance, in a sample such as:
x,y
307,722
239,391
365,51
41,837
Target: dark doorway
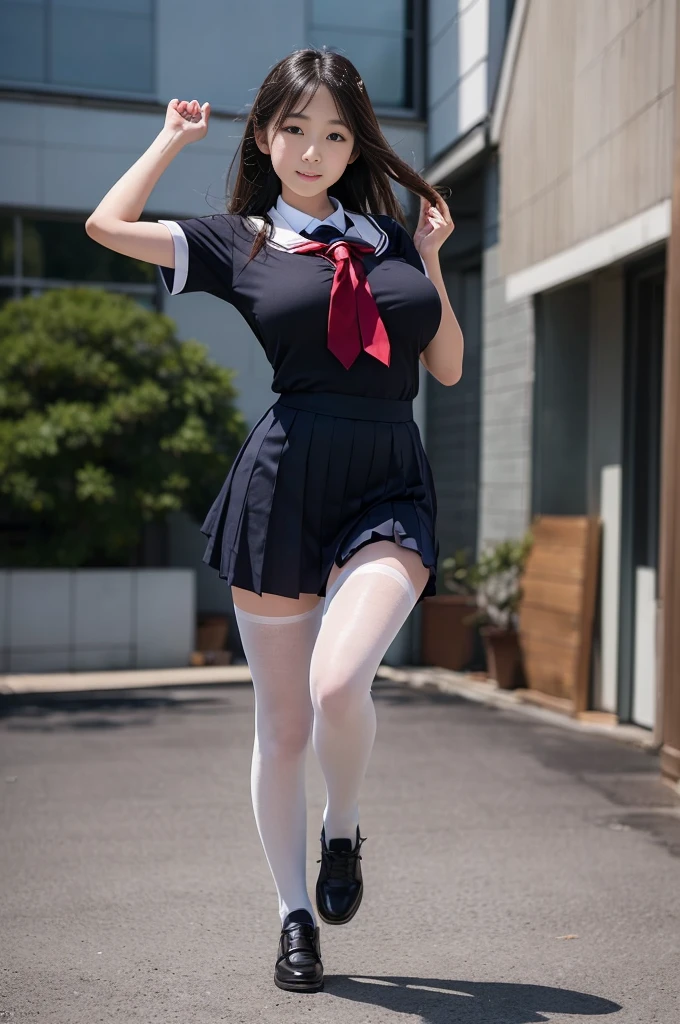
x,y
560,414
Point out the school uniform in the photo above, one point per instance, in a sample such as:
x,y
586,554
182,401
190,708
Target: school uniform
x,y
337,461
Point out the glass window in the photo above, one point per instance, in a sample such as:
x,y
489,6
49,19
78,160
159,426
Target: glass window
x,y
104,45
377,37
5,295
58,253
6,246
147,301
385,15
88,44
63,250
22,40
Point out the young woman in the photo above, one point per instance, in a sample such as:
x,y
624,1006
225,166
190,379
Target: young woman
x,y
325,525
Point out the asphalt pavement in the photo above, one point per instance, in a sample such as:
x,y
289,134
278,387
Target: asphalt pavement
x,y
514,871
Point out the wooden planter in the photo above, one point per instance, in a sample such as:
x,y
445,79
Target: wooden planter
x,y
447,641
212,632
503,656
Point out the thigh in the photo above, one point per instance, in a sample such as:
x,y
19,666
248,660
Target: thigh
x,y
403,559
273,604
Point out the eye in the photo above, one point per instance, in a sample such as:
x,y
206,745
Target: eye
x,y
291,127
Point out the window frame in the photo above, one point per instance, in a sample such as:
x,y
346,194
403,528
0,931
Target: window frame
x,y
20,282
417,111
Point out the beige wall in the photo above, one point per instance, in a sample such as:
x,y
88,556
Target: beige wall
x,y
586,138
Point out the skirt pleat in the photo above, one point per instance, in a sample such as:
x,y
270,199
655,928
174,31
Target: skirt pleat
x,y
311,485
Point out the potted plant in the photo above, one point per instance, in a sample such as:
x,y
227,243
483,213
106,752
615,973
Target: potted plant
x,y
448,635
212,632
498,576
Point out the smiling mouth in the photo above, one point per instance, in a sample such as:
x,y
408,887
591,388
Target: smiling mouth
x,y
304,175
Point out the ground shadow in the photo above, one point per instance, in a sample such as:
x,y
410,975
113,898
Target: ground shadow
x,y
437,1000
114,709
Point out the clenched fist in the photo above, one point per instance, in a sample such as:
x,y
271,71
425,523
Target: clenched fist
x,y
187,117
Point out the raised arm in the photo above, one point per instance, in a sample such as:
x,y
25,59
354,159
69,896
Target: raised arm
x,y
115,223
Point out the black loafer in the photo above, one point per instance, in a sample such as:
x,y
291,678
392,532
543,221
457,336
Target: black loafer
x,y
340,886
298,964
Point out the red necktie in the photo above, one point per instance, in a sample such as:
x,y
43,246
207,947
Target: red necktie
x,y
353,317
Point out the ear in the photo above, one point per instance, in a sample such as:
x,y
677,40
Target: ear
x,y
261,142
355,156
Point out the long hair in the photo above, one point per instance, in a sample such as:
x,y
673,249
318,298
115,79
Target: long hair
x,y
364,185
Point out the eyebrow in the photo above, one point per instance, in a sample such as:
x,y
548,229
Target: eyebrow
x,y
305,117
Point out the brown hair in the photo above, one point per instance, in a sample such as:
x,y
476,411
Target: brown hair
x,y
364,185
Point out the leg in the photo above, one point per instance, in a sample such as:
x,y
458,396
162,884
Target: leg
x,y
278,636
367,602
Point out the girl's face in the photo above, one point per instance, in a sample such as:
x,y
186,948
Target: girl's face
x,y
310,151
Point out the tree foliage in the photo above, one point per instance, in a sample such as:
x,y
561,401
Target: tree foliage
x,y
107,422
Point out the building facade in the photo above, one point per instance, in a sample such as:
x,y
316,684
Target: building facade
x,y
584,129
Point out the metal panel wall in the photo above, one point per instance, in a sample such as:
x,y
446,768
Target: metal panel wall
x,y
586,140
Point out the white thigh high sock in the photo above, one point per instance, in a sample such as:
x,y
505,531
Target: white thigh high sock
x,y
364,610
278,651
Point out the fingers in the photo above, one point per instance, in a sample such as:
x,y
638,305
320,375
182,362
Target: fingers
x,y
437,213
190,110
441,206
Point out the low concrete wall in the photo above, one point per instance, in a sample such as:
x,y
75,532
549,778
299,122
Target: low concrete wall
x,y
54,620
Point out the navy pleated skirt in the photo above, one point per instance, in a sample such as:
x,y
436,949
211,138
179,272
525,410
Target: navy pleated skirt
x,y
319,476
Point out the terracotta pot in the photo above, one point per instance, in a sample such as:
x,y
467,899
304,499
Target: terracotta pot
x,y
446,640
211,632
503,656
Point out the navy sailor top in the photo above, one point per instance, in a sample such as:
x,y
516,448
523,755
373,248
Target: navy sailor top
x,y
284,296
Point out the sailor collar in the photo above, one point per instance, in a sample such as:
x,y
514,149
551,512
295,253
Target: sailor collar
x,y
283,236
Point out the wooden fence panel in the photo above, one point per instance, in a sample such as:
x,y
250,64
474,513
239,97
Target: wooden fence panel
x,y
558,607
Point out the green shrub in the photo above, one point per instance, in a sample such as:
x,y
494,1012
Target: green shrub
x,y
458,573
107,422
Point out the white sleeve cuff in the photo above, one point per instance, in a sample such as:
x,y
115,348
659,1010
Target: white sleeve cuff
x,y
181,257
424,267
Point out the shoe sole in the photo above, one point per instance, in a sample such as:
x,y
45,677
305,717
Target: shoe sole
x,y
294,987
343,920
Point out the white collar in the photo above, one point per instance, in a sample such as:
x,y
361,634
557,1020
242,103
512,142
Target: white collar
x,y
300,221
286,235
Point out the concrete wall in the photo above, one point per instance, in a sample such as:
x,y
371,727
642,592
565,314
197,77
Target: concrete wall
x,y
586,140
58,620
507,388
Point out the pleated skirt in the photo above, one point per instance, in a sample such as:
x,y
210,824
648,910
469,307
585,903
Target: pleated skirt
x,y
319,476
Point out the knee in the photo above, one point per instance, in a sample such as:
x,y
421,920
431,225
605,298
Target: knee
x,y
287,737
336,696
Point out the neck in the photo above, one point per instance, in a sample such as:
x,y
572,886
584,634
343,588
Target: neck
x,y
319,206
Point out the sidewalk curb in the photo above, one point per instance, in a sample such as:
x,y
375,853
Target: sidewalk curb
x,y
460,685
418,677
129,679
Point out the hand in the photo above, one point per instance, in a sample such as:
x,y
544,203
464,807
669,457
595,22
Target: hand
x,y
188,119
434,227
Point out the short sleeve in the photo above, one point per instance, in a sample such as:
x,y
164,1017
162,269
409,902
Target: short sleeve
x,y
203,256
408,249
